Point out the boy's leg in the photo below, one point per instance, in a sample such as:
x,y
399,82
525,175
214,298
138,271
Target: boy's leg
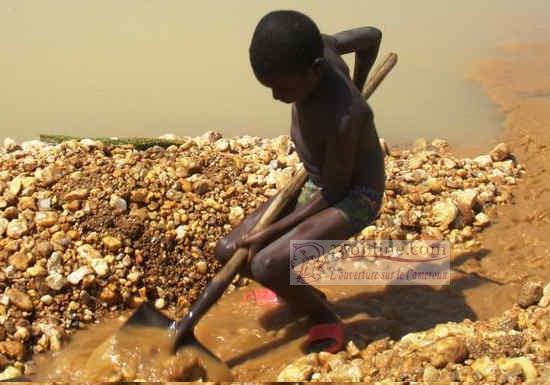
x,y
271,265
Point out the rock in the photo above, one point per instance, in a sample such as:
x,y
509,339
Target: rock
x,y
46,299
134,276
346,373
444,213
3,226
352,349
16,229
10,372
138,196
448,163
79,194
483,161
76,276
222,145
202,267
100,266
55,262
118,204
109,294
202,186
55,281
87,252
27,203
44,249
20,261
37,271
236,215
181,232
20,299
450,349
545,300
485,366
15,185
45,204
45,218
112,243
524,363
482,220
500,152
530,293
466,197
419,144
10,145
160,303
296,372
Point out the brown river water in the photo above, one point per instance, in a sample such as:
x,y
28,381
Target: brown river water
x,y
143,68
122,77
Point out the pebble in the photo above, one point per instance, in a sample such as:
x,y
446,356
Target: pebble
x,y
76,276
236,215
482,220
55,281
79,194
160,303
46,218
112,243
118,203
483,161
20,261
500,152
46,299
298,372
444,213
88,253
20,299
530,293
545,300
202,267
100,266
10,372
16,229
524,363
449,349
3,226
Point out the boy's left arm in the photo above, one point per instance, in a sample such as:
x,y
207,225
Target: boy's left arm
x,y
365,42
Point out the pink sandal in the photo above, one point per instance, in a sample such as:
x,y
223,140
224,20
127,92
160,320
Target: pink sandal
x,y
320,333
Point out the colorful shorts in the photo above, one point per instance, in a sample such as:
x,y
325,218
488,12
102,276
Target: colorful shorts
x,y
360,206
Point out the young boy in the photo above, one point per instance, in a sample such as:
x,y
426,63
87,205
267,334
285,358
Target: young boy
x,y
334,134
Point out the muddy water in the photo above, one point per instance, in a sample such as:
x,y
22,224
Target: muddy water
x,y
141,68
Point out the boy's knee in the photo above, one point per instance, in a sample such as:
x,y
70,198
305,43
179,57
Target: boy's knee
x,y
266,269
224,250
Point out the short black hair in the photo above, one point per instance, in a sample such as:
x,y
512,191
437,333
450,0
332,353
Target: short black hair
x,y
284,42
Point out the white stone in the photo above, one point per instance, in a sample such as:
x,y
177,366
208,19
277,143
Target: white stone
x,y
55,262
222,145
482,220
16,229
484,161
88,253
76,276
118,203
466,197
181,232
160,303
45,204
236,215
500,152
9,145
444,212
100,266
46,299
15,185
55,281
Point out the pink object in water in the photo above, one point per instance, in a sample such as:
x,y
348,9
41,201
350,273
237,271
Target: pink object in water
x,y
262,296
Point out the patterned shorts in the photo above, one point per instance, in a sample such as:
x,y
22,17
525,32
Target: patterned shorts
x,y
360,206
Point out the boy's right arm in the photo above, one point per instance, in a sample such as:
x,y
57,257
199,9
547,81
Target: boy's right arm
x,y
365,42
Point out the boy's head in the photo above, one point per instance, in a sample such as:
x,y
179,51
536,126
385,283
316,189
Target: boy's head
x,y
286,54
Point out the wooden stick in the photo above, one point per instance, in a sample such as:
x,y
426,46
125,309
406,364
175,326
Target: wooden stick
x,y
379,74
